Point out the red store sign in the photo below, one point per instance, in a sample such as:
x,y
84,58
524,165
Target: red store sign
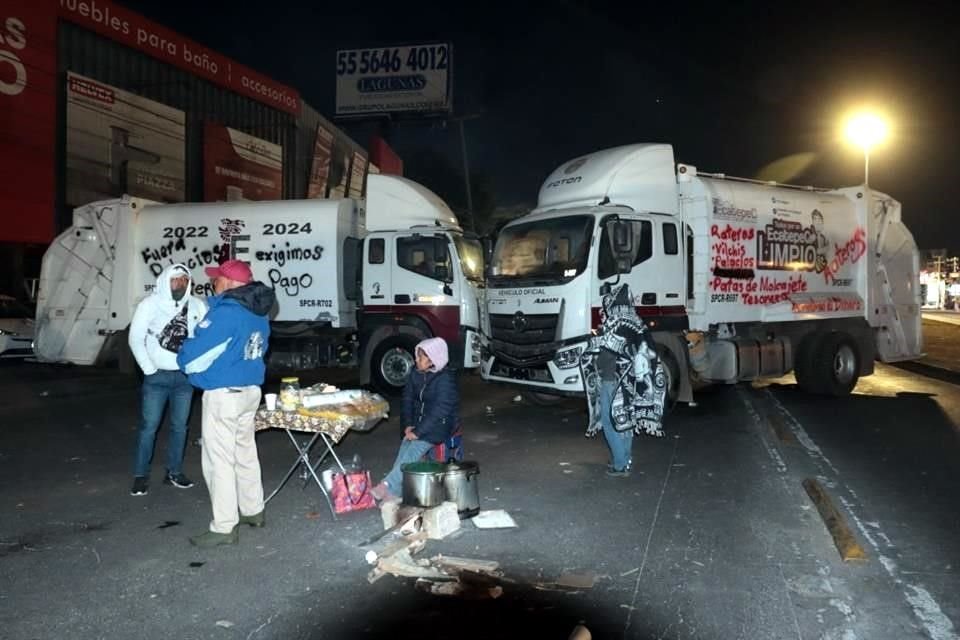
x,y
137,32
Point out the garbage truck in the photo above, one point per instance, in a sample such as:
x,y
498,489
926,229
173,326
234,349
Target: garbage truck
x,y
736,279
358,281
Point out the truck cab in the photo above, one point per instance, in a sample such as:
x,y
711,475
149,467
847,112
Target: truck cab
x,y
548,267
422,277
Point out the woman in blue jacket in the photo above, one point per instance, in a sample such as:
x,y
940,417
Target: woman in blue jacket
x,y
431,407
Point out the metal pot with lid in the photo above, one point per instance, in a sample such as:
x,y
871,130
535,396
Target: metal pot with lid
x,y
423,484
460,486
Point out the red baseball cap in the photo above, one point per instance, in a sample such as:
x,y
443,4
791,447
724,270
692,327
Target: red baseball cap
x,y
232,269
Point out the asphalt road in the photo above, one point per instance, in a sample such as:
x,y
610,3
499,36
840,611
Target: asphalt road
x,y
712,537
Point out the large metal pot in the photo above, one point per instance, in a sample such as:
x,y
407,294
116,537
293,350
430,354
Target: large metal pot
x,y
423,484
460,485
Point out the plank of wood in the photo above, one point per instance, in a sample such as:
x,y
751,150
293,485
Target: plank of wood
x,y
843,538
401,564
469,564
389,546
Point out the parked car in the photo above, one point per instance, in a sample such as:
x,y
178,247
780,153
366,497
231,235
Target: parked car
x,y
16,329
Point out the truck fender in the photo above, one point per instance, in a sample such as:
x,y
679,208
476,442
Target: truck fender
x,y
378,335
678,349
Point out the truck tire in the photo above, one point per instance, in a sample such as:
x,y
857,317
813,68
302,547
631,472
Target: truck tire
x,y
392,362
803,367
672,371
837,364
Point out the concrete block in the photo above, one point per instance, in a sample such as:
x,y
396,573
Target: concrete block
x,y
441,521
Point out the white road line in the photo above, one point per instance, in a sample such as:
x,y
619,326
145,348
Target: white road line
x,y
924,606
771,450
646,549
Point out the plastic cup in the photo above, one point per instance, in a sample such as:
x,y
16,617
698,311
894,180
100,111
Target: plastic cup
x,y
271,400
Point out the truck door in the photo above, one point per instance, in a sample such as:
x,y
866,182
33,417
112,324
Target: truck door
x,y
425,280
377,272
657,278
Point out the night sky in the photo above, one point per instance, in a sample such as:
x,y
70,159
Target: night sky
x,y
732,88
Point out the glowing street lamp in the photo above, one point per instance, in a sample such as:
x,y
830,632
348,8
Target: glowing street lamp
x,y
866,130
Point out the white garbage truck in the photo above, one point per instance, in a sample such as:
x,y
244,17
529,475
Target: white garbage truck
x,y
736,279
358,282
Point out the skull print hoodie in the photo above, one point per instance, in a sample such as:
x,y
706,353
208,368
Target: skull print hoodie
x,y
161,324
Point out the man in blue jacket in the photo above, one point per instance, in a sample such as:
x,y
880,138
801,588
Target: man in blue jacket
x,y
225,359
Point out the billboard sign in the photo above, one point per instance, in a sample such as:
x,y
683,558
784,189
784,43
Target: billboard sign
x,y
238,166
28,71
394,79
120,143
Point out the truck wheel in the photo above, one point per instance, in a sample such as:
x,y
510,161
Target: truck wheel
x,y
541,399
837,364
671,371
392,363
803,367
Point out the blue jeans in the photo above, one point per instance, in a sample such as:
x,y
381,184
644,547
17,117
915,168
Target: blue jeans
x,y
410,451
620,442
157,389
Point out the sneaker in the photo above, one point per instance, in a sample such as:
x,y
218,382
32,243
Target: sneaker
x,y
256,520
178,480
618,473
209,539
140,486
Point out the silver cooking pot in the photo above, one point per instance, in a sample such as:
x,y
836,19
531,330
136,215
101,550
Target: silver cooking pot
x,y
423,484
460,486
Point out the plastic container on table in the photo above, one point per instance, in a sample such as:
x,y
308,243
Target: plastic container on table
x,y
289,398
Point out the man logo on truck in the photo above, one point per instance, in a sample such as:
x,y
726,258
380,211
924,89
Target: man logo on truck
x,y
519,322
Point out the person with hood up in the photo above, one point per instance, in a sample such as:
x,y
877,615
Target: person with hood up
x,y
226,359
624,380
430,413
161,323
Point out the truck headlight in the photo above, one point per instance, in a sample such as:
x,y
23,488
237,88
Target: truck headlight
x,y
9,333
568,359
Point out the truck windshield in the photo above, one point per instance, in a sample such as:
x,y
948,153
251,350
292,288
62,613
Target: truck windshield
x,y
471,258
547,251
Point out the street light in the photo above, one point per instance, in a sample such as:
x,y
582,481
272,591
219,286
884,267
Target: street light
x,y
866,130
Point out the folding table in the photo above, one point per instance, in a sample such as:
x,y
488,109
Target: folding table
x,y
328,431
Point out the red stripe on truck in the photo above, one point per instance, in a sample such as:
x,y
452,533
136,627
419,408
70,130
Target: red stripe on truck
x,y
444,321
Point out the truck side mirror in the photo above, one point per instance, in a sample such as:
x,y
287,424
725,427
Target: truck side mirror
x,y
620,233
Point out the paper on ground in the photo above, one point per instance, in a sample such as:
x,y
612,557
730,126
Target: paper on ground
x,y
493,519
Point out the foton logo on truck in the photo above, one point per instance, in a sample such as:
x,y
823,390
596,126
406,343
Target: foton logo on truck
x,y
13,38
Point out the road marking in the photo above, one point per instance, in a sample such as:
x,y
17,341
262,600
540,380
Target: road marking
x,y
646,548
771,450
842,536
924,606
783,433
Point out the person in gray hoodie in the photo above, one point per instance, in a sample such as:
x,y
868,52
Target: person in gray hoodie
x,y
161,323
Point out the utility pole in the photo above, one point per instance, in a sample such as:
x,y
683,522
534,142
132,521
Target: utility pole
x,y
466,166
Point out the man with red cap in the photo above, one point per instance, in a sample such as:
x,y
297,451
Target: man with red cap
x,y
225,359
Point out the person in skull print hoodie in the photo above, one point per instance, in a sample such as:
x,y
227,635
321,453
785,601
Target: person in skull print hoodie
x,y
160,325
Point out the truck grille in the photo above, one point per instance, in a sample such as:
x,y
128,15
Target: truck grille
x,y
524,339
533,329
